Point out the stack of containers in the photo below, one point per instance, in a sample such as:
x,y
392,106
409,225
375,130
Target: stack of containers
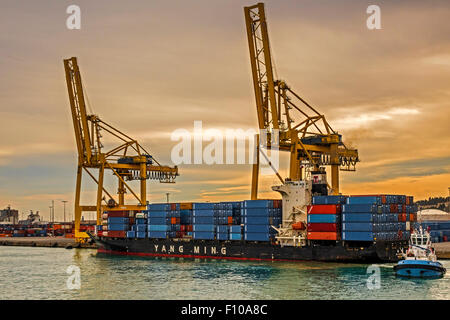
x,y
376,217
186,216
324,218
223,213
163,220
117,223
259,216
439,230
139,229
204,221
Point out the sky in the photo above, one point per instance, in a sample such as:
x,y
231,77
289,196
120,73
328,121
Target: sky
x,y
152,67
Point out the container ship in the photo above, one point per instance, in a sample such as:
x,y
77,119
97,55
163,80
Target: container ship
x,y
366,228
311,221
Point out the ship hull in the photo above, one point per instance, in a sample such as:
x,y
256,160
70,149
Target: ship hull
x,y
245,250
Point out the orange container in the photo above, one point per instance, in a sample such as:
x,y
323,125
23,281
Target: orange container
x,y
230,220
412,217
186,206
323,236
298,226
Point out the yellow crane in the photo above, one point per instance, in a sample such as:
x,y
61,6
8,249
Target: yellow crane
x,y
302,130
128,160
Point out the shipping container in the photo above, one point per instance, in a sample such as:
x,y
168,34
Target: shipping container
x,y
324,209
323,236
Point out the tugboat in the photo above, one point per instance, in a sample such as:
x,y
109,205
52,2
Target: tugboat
x,y
420,258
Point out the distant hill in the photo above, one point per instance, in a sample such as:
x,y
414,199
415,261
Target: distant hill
x,y
440,203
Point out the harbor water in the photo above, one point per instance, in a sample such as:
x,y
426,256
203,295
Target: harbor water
x,y
51,273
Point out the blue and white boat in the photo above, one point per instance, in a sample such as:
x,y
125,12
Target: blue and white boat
x,y
420,258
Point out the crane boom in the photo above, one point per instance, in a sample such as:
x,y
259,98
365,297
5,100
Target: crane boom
x,y
128,161
303,131
78,107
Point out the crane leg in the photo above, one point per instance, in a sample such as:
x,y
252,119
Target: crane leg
x,y
78,210
101,173
255,170
143,176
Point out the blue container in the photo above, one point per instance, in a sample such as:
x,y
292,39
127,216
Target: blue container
x,y
152,220
203,227
158,227
359,217
257,212
329,199
118,220
258,228
235,229
141,221
257,220
99,227
203,220
235,236
131,234
158,207
141,234
118,227
222,229
141,228
258,204
361,208
364,200
323,218
203,213
359,226
158,214
203,235
257,236
357,236
157,234
222,236
203,205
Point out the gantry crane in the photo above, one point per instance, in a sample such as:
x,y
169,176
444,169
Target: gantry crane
x,y
128,160
302,130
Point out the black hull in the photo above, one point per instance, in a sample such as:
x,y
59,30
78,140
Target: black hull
x,y
246,250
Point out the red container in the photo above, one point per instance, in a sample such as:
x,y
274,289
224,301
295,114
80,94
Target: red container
x,y
117,234
100,233
323,236
393,208
189,228
118,214
323,227
324,209
182,228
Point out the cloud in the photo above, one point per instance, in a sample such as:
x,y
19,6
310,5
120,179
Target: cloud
x,y
152,67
